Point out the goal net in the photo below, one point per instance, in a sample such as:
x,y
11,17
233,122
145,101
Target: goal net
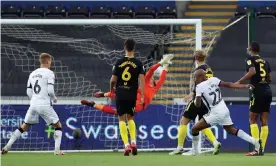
x,y
84,52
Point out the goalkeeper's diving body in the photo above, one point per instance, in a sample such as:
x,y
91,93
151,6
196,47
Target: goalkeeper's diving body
x,y
151,88
191,112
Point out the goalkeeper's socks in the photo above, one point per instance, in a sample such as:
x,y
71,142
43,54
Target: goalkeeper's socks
x,y
123,132
181,136
254,131
264,135
132,130
243,135
57,138
15,135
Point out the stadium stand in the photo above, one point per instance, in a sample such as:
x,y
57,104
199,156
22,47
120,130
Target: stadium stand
x,y
55,12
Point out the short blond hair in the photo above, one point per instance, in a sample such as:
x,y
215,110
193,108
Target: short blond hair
x,y
200,55
44,57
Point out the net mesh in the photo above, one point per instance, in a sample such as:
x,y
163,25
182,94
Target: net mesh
x,y
74,47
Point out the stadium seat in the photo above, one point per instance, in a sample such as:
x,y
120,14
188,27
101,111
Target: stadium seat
x,y
123,12
241,11
167,12
33,11
100,12
78,12
11,11
55,12
266,12
145,12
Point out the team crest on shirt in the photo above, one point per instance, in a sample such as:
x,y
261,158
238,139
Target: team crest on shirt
x,y
248,62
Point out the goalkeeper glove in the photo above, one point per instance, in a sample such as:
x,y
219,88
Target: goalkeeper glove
x,y
166,59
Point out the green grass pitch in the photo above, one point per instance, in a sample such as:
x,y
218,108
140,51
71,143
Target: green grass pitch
x,y
143,159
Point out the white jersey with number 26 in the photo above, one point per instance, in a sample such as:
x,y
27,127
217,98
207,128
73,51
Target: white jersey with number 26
x,y
38,81
210,93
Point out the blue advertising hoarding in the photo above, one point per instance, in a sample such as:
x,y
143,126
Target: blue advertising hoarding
x,y
156,128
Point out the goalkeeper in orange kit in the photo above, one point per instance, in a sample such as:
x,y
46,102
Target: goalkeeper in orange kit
x,y
151,89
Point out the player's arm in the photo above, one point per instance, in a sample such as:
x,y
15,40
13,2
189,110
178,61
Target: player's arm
x,y
251,71
269,73
114,78
29,90
162,79
50,86
142,82
113,82
199,92
234,85
151,71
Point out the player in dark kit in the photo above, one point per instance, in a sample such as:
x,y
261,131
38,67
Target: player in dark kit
x,y
258,72
191,112
124,81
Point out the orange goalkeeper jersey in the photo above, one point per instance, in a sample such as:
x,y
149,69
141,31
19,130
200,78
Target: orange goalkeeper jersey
x,y
150,91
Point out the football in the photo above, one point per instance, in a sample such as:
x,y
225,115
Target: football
x,y
77,133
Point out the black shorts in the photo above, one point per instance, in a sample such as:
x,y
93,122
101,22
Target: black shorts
x,y
260,102
125,107
192,111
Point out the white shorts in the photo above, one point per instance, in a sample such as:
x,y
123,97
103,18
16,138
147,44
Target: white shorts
x,y
46,112
218,115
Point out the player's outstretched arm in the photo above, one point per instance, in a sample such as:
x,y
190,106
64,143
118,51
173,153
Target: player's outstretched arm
x,y
152,70
162,78
234,85
142,87
251,72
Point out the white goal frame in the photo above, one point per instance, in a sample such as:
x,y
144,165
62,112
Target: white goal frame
x,y
198,42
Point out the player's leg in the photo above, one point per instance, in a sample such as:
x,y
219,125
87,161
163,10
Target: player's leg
x,y
122,111
227,124
253,118
264,116
243,135
51,118
188,115
199,126
104,108
182,133
31,117
57,137
208,132
15,135
132,126
264,128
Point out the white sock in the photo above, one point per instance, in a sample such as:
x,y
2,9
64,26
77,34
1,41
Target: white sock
x,y
179,148
215,143
126,145
57,138
133,141
243,135
15,135
195,143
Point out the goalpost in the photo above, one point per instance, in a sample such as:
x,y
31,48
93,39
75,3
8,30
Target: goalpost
x,y
71,86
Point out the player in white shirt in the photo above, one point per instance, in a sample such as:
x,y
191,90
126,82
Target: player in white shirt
x,y
209,92
40,89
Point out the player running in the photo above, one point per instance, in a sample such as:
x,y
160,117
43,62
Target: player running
x,y
151,88
258,72
209,92
191,112
40,89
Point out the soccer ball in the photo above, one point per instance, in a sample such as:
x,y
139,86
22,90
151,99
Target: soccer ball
x,y
77,133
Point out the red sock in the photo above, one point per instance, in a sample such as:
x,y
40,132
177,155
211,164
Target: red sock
x,y
106,108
